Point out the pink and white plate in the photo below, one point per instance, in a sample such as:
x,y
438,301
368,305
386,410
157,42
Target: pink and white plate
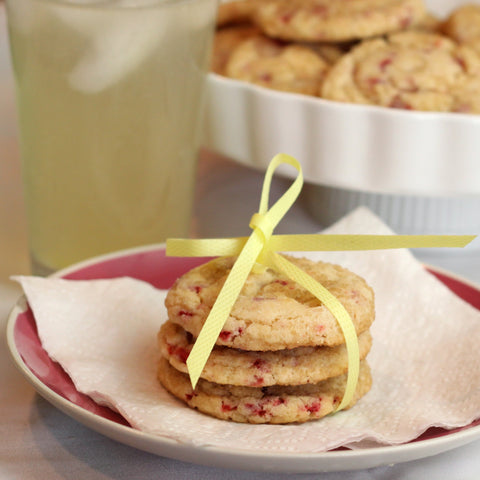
x,y
151,265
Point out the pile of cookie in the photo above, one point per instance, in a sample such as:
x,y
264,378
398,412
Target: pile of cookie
x,y
281,355
390,53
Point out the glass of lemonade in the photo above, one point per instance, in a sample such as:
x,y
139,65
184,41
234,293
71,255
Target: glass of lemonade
x,y
110,96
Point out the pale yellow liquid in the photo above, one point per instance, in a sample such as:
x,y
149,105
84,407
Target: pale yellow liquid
x,y
112,166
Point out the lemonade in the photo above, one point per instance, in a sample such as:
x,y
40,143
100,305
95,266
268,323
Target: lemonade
x,y
109,97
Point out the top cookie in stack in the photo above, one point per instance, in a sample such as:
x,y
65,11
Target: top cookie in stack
x,y
281,355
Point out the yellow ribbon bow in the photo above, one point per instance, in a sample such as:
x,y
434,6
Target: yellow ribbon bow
x,y
259,251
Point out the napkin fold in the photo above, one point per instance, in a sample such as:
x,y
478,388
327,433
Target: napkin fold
x,y
425,358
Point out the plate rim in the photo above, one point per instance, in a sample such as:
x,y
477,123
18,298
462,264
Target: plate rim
x,y
284,462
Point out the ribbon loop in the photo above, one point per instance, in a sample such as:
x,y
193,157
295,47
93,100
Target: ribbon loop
x,y
253,255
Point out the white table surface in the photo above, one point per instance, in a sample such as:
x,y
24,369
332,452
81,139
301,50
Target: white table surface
x,y
40,442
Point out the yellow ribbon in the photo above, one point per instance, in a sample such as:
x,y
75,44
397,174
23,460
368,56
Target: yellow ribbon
x,y
259,251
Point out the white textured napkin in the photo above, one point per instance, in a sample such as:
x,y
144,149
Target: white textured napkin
x,y
425,358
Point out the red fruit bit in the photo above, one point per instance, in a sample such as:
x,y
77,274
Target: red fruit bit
x,y
257,381
225,335
256,409
320,328
398,102
182,354
287,17
189,396
384,64
197,288
228,408
179,352
260,364
279,401
313,407
320,10
412,86
266,77
355,296
463,108
185,313
372,81
406,21
461,62
284,283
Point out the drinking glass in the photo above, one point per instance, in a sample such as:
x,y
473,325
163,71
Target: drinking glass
x,y
110,98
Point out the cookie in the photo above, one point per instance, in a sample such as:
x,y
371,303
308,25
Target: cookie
x,y
408,70
224,43
272,64
230,366
463,24
335,21
276,404
272,311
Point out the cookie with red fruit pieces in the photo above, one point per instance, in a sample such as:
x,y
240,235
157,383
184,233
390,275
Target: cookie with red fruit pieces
x,y
272,312
230,366
279,66
409,70
335,21
275,404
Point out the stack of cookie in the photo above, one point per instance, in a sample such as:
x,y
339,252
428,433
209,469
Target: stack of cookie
x,y
281,355
389,53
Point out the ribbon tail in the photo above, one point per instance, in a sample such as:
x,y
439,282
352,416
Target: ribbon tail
x,y
205,247
222,307
330,242
338,311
